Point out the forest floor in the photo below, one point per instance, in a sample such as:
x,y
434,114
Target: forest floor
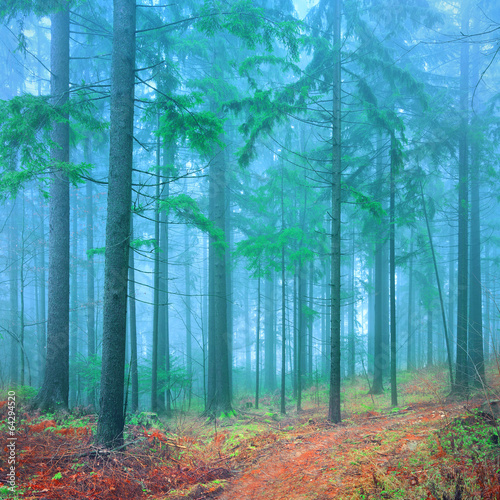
x,y
427,448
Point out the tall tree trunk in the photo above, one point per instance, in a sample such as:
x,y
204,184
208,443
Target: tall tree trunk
x,y
301,334
54,391
257,345
73,315
111,415
14,292
351,335
325,339
134,370
22,295
219,395
475,281
310,322
248,343
335,379
189,333
392,264
410,353
269,335
156,284
380,324
283,304
430,343
229,274
461,378
441,301
91,340
41,297
164,284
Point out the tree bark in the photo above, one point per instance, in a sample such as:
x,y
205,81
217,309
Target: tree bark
x,y
219,396
475,280
335,379
54,391
392,272
134,371
91,340
111,415
461,378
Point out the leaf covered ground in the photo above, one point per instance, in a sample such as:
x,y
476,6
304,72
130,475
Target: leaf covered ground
x,y
427,448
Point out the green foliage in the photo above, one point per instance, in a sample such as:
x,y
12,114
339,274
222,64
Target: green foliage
x,y
13,8
264,110
367,203
134,244
249,24
187,209
200,129
25,141
89,370
264,251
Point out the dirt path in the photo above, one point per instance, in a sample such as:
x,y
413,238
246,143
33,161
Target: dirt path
x,y
372,452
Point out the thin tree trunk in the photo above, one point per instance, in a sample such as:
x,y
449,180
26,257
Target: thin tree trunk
x,y
392,263
310,322
351,336
283,306
189,333
475,281
257,345
441,301
41,299
430,343
335,379
410,354
14,292
91,340
269,335
156,284
134,371
73,320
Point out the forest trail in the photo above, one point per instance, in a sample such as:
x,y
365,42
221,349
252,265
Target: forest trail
x,y
427,448
365,455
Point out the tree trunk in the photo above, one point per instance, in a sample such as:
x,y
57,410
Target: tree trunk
x,y
219,396
257,345
269,335
410,353
189,333
301,335
134,371
392,264
430,343
91,340
335,379
461,378
351,334
41,297
73,318
475,281
111,415
14,293
156,285
310,322
54,391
